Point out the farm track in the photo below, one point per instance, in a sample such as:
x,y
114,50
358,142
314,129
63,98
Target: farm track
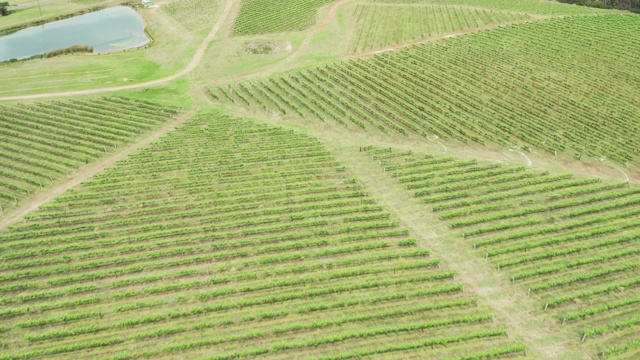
x,y
303,47
195,61
510,306
197,58
29,205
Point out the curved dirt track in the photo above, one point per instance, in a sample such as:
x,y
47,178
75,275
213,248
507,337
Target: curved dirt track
x,y
195,61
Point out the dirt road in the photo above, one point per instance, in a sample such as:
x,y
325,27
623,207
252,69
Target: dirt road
x,y
195,61
303,47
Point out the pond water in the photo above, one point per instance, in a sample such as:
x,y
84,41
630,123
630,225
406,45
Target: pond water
x,y
112,29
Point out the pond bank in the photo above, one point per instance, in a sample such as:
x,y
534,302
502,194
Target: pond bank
x,y
107,30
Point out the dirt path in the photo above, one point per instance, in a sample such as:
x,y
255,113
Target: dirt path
x,y
32,204
195,61
542,334
303,46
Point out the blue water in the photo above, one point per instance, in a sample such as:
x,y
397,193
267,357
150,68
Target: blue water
x,y
112,29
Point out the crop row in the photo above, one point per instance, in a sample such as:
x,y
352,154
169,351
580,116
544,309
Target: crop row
x,y
379,26
573,245
211,223
264,16
502,87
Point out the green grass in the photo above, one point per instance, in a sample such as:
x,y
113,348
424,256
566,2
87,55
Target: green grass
x,y
228,58
30,14
236,240
168,54
231,239
177,94
571,244
43,143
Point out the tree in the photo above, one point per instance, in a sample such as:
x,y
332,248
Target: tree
x,y
3,8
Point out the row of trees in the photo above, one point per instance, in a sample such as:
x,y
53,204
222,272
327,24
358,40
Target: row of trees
x,y
4,9
633,5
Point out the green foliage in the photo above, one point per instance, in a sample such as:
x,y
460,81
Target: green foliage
x,y
4,11
548,8
69,50
407,242
380,26
268,16
506,86
632,5
572,242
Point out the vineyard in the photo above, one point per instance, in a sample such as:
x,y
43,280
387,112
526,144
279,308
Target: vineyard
x,y
193,14
572,244
234,240
379,26
269,16
221,204
541,85
538,7
44,142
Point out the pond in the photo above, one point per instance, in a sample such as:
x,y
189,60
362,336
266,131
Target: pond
x,y
112,29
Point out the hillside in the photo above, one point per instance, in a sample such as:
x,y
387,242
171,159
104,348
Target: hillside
x,y
410,179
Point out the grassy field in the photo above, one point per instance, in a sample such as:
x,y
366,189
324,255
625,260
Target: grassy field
x,y
29,12
273,189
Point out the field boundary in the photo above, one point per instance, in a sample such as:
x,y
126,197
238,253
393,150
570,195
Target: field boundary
x,y
32,204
